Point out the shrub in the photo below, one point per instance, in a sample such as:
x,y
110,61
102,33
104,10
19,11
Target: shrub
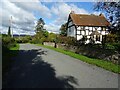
x,y
109,46
51,37
8,42
25,39
112,38
114,46
67,40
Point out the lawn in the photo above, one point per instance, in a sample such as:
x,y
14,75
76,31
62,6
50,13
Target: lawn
x,y
98,62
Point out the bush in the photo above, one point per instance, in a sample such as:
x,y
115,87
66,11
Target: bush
x,y
51,37
114,46
8,42
25,39
112,38
67,40
37,41
109,46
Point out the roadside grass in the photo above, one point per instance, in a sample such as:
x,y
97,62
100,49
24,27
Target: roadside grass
x,y
15,48
98,62
7,55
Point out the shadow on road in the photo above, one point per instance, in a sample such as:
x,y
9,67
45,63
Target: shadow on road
x,y
30,71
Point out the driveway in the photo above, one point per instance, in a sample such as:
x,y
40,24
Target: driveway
x,y
38,67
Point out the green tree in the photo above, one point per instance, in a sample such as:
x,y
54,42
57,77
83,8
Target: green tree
x,y
45,33
40,25
51,37
63,30
41,33
112,10
9,31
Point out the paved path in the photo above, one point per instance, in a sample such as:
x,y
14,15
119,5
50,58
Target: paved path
x,y
37,67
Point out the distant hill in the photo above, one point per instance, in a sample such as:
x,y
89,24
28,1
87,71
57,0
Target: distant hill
x,y
17,35
21,35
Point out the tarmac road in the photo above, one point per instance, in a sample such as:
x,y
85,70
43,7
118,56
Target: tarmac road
x,y
38,67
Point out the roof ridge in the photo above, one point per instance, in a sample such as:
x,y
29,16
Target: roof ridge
x,y
89,20
88,15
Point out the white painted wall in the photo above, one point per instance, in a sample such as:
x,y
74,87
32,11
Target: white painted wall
x,y
71,31
93,29
86,27
87,32
103,32
78,28
70,23
90,28
78,32
83,32
100,37
90,32
99,28
79,37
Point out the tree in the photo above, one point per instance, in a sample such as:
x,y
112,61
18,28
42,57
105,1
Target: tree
x,y
63,30
51,37
41,33
40,25
45,33
112,10
9,31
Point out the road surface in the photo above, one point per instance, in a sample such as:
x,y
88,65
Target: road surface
x,y
38,67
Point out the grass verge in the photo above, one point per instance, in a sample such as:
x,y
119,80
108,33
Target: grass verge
x,y
98,62
7,55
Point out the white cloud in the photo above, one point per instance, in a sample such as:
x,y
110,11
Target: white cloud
x,y
21,19
52,28
62,11
25,15
37,7
96,13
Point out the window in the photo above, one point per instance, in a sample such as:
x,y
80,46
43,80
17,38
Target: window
x,y
97,37
104,28
87,32
82,28
69,29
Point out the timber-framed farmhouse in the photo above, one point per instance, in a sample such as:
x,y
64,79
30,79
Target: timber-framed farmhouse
x,y
92,27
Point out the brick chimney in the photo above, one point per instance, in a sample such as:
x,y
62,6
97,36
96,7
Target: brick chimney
x,y
72,12
101,15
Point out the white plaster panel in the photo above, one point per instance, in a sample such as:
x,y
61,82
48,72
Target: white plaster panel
x,y
82,32
90,33
79,37
70,23
99,28
71,31
103,32
78,32
99,31
100,37
79,28
88,36
86,27
90,28
93,29
86,42
87,32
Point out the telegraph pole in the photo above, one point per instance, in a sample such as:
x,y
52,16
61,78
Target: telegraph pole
x,y
19,35
11,25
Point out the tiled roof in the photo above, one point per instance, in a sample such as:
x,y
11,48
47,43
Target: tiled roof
x,y
89,20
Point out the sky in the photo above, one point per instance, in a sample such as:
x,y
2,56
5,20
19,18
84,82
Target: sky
x,y
25,14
